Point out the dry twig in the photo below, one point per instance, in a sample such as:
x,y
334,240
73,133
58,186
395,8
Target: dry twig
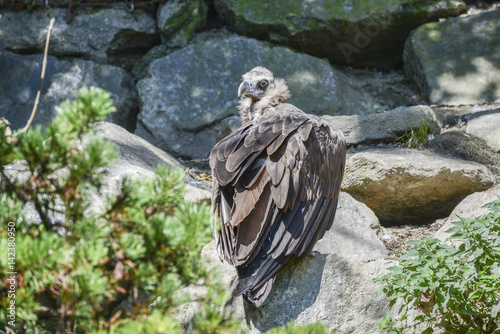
x,y
44,66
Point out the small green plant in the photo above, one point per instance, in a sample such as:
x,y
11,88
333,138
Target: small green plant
x,y
456,285
415,138
332,110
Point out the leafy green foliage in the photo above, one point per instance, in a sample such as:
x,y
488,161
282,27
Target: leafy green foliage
x,y
455,284
116,271
415,138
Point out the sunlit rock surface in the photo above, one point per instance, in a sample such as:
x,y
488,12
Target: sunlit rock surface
x,y
456,61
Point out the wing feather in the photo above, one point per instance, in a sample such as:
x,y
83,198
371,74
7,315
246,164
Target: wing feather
x,y
275,170
245,199
276,144
280,191
251,228
305,130
231,143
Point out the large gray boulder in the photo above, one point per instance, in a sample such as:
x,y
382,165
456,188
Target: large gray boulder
x,y
63,79
354,232
134,150
94,35
138,160
360,34
383,127
486,126
452,115
405,186
188,92
328,289
334,287
469,207
468,66
470,132
390,89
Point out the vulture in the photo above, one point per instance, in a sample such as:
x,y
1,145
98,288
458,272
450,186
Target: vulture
x,y
276,182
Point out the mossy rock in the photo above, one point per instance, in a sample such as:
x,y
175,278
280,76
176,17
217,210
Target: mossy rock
x,y
360,34
178,20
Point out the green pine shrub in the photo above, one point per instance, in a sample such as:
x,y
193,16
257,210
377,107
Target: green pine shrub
x,y
75,267
455,286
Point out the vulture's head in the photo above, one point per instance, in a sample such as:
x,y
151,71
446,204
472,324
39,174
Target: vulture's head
x,y
260,93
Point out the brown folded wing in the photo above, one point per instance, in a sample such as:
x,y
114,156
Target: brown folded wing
x,y
275,187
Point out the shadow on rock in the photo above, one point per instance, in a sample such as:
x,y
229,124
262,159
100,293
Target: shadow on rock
x,y
327,288
296,289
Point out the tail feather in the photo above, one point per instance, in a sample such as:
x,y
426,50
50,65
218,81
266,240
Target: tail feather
x,y
259,295
257,279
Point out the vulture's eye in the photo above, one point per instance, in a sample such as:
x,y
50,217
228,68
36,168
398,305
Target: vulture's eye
x,y
263,84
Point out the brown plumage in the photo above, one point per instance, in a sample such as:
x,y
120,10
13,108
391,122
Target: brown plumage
x,y
276,182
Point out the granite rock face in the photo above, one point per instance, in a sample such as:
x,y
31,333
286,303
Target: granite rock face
x,y
383,127
63,79
355,33
354,232
133,149
95,35
138,160
188,92
412,187
328,289
467,70
486,126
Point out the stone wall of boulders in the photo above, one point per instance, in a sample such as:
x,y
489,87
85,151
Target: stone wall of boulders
x,y
173,69
374,69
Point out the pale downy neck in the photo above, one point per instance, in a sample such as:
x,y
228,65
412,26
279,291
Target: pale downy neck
x,y
251,109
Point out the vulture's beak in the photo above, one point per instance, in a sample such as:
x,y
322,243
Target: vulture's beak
x,y
247,87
